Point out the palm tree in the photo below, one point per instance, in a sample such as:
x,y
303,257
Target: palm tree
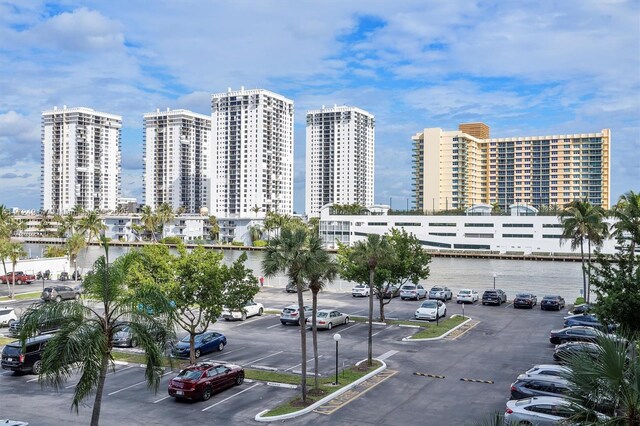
x,y
581,220
45,221
326,271
86,337
371,253
256,209
165,215
75,243
14,252
149,221
627,212
607,382
59,220
255,232
77,210
289,253
90,224
214,230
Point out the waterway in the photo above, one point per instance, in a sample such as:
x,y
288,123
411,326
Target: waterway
x,y
513,276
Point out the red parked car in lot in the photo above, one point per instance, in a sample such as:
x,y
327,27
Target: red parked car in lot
x,y
200,381
21,278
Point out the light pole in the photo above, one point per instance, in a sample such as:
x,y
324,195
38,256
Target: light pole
x,y
337,338
494,281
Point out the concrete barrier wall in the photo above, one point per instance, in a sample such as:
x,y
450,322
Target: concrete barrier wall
x,y
32,266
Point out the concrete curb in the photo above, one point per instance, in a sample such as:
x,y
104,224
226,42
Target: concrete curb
x,y
429,339
260,418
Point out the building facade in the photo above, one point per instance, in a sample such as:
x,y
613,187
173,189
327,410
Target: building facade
x,y
80,159
460,168
339,158
252,153
177,168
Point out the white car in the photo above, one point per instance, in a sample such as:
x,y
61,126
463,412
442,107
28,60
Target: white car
x,y
7,316
360,290
250,309
467,295
540,410
545,370
430,308
412,291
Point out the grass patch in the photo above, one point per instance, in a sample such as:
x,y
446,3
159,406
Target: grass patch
x,y
272,376
579,301
272,311
6,340
347,376
432,330
388,322
23,296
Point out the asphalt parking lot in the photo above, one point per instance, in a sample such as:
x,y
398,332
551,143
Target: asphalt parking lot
x,y
503,343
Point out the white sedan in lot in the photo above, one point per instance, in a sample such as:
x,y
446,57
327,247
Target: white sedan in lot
x,y
250,309
467,295
431,310
360,290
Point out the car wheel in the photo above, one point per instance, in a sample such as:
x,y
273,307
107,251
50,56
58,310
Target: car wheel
x,y
353,295
58,299
457,301
37,367
19,282
243,317
197,353
445,313
206,393
329,326
11,321
240,378
221,346
227,319
134,343
283,323
77,296
260,312
346,320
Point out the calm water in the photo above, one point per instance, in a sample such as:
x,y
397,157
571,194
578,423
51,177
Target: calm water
x,y
564,278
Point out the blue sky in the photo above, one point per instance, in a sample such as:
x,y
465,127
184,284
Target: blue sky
x,y
523,68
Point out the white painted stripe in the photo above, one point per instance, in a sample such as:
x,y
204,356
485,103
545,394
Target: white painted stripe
x,y
374,334
232,396
75,384
351,326
282,385
162,399
134,385
264,367
275,325
298,365
356,312
33,380
264,357
386,355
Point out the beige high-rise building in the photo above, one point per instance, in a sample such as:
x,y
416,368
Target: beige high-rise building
x,y
459,168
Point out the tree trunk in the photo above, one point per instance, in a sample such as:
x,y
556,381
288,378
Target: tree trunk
x,y
381,301
303,345
97,404
314,332
584,273
370,339
4,266
589,274
12,290
192,348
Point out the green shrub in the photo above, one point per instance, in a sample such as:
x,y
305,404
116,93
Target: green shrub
x,y
579,301
259,243
171,240
237,243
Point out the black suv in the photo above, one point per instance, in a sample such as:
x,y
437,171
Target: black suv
x,y
30,359
49,327
494,297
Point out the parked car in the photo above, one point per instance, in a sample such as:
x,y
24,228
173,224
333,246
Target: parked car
x,y
552,302
328,318
494,297
291,314
441,293
431,310
59,293
20,278
43,328
27,359
360,290
579,333
467,295
525,300
545,370
123,336
208,341
540,411
580,309
201,380
565,350
80,288
391,291
64,276
7,316
539,386
412,291
250,309
589,320
157,310
292,288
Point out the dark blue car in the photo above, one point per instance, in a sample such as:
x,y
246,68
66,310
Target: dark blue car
x,y
208,341
588,320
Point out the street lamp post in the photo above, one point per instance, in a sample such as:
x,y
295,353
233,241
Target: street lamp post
x,y
337,338
494,281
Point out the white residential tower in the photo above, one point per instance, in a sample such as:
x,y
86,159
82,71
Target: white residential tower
x,y
339,158
80,159
177,169
252,153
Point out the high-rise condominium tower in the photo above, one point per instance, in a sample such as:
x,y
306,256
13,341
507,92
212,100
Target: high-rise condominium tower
x,y
80,159
252,153
177,147
460,168
340,157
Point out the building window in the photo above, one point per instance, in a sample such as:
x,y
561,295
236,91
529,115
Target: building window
x,y
478,225
517,235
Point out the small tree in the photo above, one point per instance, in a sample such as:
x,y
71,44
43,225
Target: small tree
x,y
15,251
75,243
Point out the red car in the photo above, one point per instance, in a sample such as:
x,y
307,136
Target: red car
x,y
201,380
21,278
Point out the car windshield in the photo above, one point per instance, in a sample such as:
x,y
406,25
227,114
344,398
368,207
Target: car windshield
x,y
322,314
409,287
465,291
429,304
190,374
490,293
48,289
198,338
523,295
359,286
550,297
5,311
436,289
11,350
288,310
126,329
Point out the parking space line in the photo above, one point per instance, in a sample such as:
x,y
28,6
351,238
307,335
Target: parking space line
x,y
378,332
136,384
232,396
111,371
386,355
510,304
356,312
260,359
351,326
275,325
33,380
248,321
162,399
298,365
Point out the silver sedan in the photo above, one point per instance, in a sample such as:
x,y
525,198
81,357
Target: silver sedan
x,y
329,318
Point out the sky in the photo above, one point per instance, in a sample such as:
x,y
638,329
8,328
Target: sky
x,y
525,68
